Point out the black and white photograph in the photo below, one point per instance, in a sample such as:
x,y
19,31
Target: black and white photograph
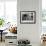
x,y
27,17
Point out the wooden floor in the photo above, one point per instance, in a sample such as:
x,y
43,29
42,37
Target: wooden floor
x,y
2,43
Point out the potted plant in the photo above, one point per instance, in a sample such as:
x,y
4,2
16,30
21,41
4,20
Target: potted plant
x,y
1,22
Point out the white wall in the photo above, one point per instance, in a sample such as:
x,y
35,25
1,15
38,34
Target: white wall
x,y
29,31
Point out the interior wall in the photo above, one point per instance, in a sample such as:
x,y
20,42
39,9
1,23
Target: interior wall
x,y
29,31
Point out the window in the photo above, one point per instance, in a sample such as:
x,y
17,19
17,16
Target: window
x,y
44,12
8,11
1,9
11,11
44,16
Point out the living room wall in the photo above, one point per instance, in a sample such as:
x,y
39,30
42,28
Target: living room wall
x,y
31,32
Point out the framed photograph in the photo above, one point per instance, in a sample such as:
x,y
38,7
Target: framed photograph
x,y
27,17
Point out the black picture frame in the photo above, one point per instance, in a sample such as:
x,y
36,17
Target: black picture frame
x,y
27,17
